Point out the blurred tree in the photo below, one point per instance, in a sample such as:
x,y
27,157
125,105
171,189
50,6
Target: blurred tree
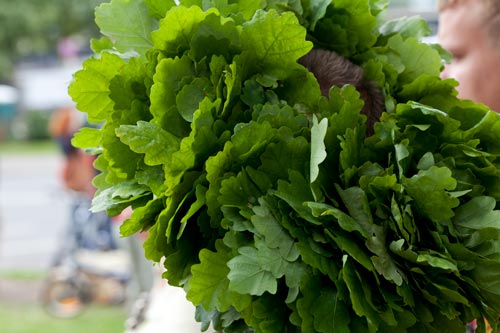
x,y
34,28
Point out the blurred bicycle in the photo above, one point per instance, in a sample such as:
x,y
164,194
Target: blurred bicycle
x,y
88,267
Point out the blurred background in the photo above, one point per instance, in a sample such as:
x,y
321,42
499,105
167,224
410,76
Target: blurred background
x,y
42,43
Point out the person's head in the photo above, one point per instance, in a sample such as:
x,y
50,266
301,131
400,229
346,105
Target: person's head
x,y
331,69
78,172
470,31
63,122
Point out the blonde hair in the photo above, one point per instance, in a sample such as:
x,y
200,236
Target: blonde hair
x,y
490,15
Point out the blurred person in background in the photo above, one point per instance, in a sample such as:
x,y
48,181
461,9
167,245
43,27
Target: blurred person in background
x,y
77,176
469,30
77,173
155,306
78,170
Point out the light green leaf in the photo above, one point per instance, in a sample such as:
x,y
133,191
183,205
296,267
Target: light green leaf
x,y
417,58
277,41
116,196
402,154
90,87
414,26
349,25
437,261
318,149
429,189
317,9
151,176
142,217
478,213
276,237
201,143
177,28
351,247
295,194
190,96
168,78
87,137
128,24
197,205
279,158
215,35
344,220
149,139
209,285
251,138
158,9
247,276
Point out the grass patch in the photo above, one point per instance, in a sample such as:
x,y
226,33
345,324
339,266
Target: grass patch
x,y
28,147
22,318
23,275
18,315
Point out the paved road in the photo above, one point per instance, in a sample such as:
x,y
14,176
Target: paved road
x,y
33,210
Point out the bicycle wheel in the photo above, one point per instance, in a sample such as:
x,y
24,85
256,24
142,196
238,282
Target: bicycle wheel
x,y
65,298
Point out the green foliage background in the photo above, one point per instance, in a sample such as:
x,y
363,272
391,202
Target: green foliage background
x,y
268,202
33,27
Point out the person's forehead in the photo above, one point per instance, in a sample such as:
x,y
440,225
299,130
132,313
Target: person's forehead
x,y
470,10
460,21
